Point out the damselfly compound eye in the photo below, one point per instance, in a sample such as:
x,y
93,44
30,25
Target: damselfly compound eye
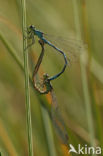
x,y
31,27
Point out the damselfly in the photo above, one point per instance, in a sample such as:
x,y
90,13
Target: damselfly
x,y
71,46
45,86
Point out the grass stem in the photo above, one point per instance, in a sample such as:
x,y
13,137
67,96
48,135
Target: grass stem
x,y
27,92
84,80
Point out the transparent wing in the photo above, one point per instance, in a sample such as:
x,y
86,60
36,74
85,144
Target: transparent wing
x,y
70,46
54,100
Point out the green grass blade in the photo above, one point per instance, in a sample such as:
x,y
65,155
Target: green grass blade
x,y
49,133
85,82
27,92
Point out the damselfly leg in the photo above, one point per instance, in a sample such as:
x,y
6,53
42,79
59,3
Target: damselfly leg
x,y
29,36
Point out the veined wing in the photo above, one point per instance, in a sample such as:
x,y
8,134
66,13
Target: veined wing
x,y
70,46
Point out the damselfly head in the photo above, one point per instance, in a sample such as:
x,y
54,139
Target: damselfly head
x,y
30,28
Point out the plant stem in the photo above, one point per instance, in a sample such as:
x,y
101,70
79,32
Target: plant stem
x,y
84,81
27,92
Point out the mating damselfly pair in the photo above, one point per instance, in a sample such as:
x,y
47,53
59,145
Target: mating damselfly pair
x,y
70,46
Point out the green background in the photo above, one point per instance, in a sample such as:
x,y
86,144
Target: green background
x,y
79,91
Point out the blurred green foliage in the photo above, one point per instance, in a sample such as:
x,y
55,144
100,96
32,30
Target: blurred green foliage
x,y
51,17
